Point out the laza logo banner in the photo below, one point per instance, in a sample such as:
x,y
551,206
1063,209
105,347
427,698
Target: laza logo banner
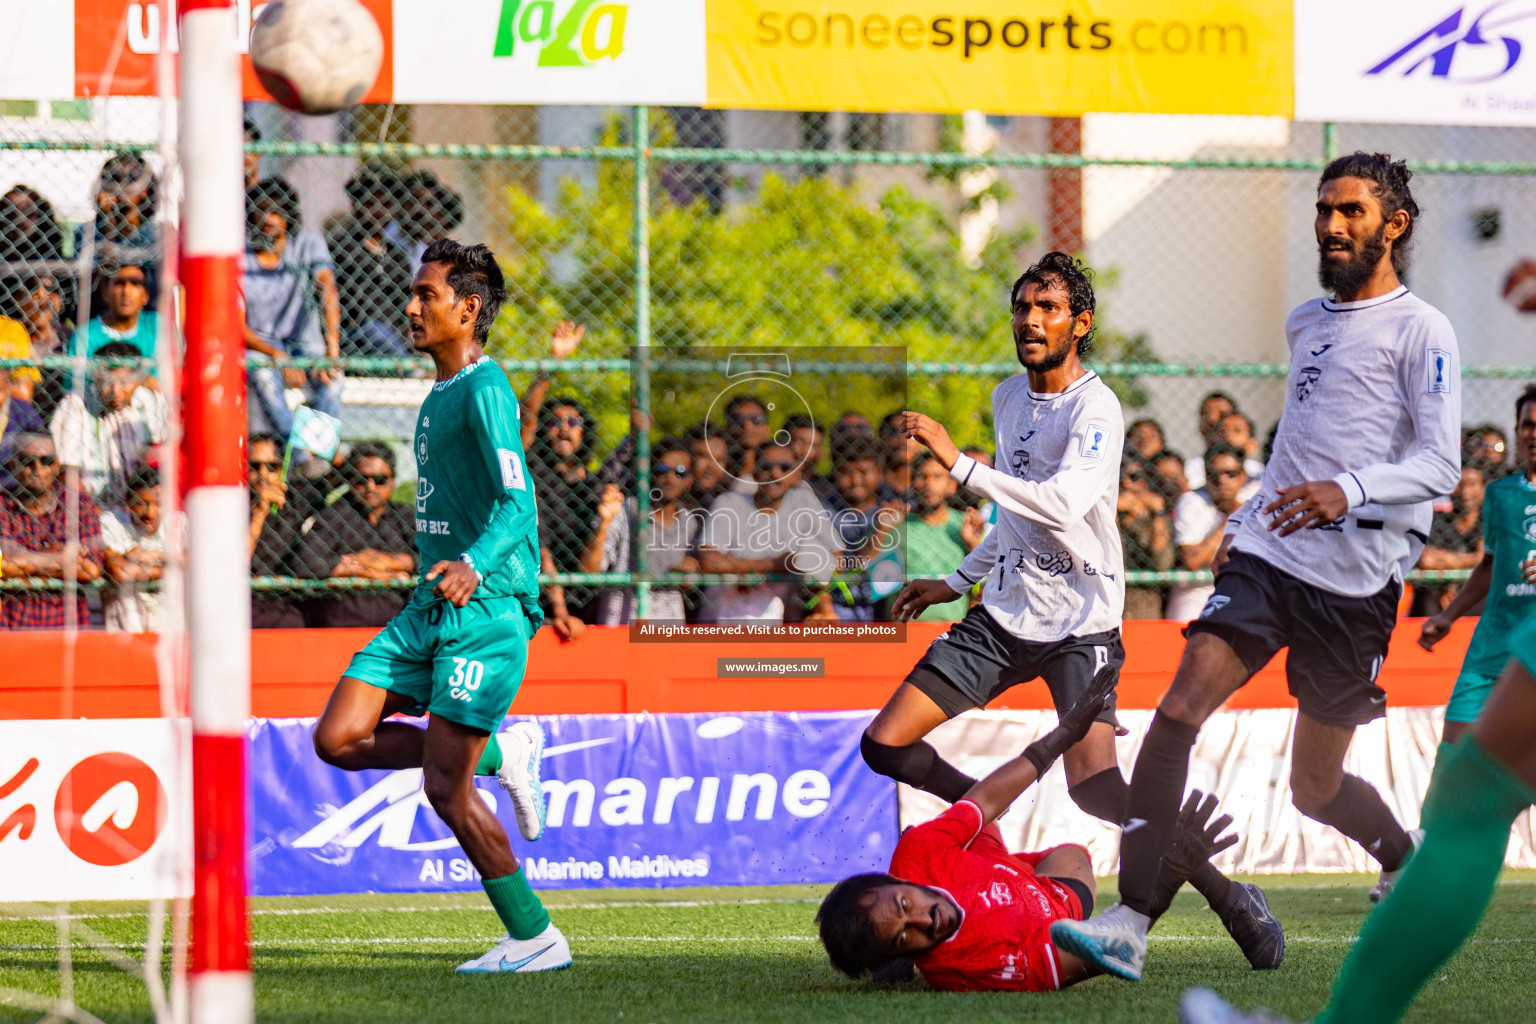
x,y
1417,61
550,51
633,800
1067,58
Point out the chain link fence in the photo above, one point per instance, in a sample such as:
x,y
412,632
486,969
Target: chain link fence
x,y
642,248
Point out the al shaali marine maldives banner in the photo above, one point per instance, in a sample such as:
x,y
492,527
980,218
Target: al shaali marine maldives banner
x,y
633,800
1417,61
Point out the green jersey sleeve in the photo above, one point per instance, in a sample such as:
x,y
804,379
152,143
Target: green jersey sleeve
x,y
494,420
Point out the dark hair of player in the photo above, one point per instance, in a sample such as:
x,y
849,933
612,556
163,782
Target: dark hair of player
x,y
1389,179
275,195
855,448
145,478
800,421
1074,276
741,400
372,450
1526,396
472,270
846,930
272,439
669,446
1216,451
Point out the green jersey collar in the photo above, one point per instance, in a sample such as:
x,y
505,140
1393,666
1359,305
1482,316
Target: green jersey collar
x,y
471,368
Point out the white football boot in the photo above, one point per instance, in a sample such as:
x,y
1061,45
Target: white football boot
x,y
1202,1006
522,750
546,951
1116,941
1388,879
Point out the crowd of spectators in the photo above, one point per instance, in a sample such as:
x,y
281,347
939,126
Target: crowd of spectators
x,y
833,516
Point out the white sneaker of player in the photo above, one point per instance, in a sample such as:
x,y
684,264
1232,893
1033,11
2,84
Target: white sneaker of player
x,y
1388,879
1116,941
546,951
522,750
1202,1006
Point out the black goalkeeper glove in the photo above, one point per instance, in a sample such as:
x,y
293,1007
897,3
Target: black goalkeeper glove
x,y
1073,725
1195,840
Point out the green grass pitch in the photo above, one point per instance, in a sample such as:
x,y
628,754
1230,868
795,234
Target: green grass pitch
x,y
739,955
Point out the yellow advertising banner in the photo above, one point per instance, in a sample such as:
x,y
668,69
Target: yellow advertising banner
x,y
1056,57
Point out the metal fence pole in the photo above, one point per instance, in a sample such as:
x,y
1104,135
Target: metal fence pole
x,y
641,367
1330,141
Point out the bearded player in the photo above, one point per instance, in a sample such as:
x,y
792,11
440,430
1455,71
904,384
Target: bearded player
x,y
970,914
1053,590
459,648
1370,435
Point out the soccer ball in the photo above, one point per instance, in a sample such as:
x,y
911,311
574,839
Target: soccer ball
x,y
316,56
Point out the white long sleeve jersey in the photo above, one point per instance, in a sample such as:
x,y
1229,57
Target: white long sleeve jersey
x,y
1053,565
1374,404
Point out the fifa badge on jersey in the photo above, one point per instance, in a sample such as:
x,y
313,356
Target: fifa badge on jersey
x,y
511,470
1094,440
1439,371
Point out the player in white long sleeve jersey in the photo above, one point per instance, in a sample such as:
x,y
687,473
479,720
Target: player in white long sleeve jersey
x,y
1052,575
1369,436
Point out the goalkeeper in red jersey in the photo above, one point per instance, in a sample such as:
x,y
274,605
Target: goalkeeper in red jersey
x,y
972,915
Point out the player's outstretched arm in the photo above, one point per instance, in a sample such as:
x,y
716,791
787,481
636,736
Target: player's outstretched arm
x,y
1468,597
997,792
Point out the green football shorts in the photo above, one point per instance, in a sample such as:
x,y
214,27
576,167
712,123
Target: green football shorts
x,y
465,664
1468,697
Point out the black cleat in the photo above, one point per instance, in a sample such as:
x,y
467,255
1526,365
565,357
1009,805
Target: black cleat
x,y
1255,929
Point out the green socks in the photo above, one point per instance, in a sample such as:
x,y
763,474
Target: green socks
x,y
517,905
490,758
1441,894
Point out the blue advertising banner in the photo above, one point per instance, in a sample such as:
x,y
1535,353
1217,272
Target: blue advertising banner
x,y
633,800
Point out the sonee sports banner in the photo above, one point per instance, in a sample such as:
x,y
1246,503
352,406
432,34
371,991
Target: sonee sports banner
x,y
633,801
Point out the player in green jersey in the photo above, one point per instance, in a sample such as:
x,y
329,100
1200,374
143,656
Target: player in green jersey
x,y
1506,577
459,648
1481,784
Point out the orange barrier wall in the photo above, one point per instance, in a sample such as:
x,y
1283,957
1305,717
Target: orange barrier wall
x,y
293,671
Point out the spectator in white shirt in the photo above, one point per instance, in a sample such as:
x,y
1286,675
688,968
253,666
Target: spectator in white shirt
x,y
102,435
133,534
1200,519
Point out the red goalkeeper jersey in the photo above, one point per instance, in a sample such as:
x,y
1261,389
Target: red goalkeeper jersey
x,y
1004,940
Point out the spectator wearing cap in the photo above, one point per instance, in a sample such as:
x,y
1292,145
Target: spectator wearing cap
x,y
1199,522
104,434
134,545
361,535
291,308
37,542
277,523
373,273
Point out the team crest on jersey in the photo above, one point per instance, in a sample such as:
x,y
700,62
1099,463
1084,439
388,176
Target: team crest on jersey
x,y
1095,440
421,449
1306,381
1439,371
1529,526
424,491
